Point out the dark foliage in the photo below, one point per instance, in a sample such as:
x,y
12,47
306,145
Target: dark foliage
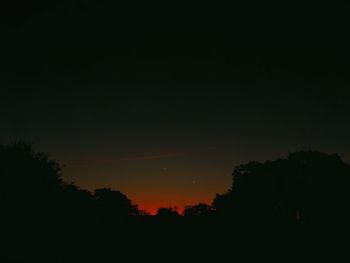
x,y
199,210
45,219
169,212
305,187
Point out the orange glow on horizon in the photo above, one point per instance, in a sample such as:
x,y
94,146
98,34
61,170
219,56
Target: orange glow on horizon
x,y
178,203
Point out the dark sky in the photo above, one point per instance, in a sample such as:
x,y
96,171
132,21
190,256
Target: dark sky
x,y
161,102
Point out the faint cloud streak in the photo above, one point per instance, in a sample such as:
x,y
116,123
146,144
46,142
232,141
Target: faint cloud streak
x,y
126,159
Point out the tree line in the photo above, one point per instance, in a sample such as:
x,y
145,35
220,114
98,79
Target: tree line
x,y
307,185
305,188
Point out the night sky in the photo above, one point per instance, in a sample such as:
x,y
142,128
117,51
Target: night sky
x,y
161,102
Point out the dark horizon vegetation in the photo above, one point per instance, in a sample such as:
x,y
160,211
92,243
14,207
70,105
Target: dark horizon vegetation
x,y
262,177
46,219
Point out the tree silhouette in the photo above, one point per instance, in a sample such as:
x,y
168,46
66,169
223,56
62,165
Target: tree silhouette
x,y
169,212
29,180
40,210
200,209
114,202
31,183
306,186
223,204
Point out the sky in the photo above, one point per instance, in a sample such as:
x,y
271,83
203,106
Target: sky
x,y
162,105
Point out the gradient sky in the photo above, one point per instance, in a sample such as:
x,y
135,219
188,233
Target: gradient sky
x,y
162,106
